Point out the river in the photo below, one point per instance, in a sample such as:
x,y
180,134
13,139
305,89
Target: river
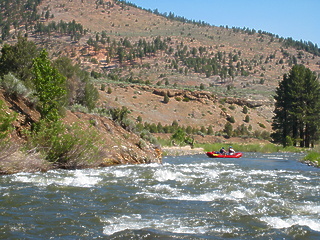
x,y
259,196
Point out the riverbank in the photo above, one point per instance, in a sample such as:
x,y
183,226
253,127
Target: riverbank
x,y
181,151
187,150
311,163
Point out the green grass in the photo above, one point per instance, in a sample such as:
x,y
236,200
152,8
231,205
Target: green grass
x,y
264,148
313,156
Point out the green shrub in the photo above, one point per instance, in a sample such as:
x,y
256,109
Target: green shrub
x,y
210,130
179,136
222,101
79,108
262,125
245,109
147,136
6,121
14,86
314,157
166,99
142,144
109,90
232,107
288,141
231,119
119,114
68,147
228,129
91,96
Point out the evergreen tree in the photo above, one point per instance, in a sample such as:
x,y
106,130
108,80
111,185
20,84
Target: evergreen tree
x,y
245,110
297,113
247,119
210,130
228,129
18,59
50,87
166,99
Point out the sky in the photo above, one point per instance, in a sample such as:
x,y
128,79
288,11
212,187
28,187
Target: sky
x,y
299,19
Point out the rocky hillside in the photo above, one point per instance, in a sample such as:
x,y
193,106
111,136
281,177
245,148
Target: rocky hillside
x,y
138,57
250,63
119,146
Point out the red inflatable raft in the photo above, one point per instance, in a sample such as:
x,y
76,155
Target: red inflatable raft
x,y
218,155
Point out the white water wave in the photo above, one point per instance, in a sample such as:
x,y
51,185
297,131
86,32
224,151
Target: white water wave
x,y
309,208
75,179
176,194
279,223
166,223
163,175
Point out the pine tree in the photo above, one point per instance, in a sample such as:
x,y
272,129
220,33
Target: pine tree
x,y
18,59
50,87
297,113
166,99
210,130
228,129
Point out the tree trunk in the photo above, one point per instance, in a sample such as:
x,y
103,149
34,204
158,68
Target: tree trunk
x,y
307,136
302,135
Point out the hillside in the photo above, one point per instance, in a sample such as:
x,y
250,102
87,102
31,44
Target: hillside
x,y
211,75
118,146
257,62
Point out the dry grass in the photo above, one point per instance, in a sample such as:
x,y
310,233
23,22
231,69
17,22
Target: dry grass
x,y
14,160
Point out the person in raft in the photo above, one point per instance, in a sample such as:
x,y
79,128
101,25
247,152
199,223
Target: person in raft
x,y
231,151
223,151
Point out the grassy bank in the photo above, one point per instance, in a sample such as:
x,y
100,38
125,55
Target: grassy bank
x,y
264,148
313,157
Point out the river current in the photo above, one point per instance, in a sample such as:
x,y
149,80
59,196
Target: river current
x,y
259,196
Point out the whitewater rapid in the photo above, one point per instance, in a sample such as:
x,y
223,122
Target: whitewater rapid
x,y
260,196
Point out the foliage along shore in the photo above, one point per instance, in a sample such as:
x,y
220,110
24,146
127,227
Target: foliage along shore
x,y
312,158
40,128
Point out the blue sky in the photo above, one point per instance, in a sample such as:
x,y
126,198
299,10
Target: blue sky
x,y
299,19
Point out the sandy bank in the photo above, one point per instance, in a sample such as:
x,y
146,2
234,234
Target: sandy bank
x,y
179,151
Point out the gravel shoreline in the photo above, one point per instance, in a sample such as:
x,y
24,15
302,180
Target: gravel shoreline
x,y
181,151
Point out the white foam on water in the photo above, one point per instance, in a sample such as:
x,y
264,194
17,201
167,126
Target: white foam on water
x,y
263,173
277,158
310,208
206,197
175,194
137,222
164,188
122,173
163,175
78,179
159,191
212,174
297,177
237,194
122,223
22,178
242,210
277,222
